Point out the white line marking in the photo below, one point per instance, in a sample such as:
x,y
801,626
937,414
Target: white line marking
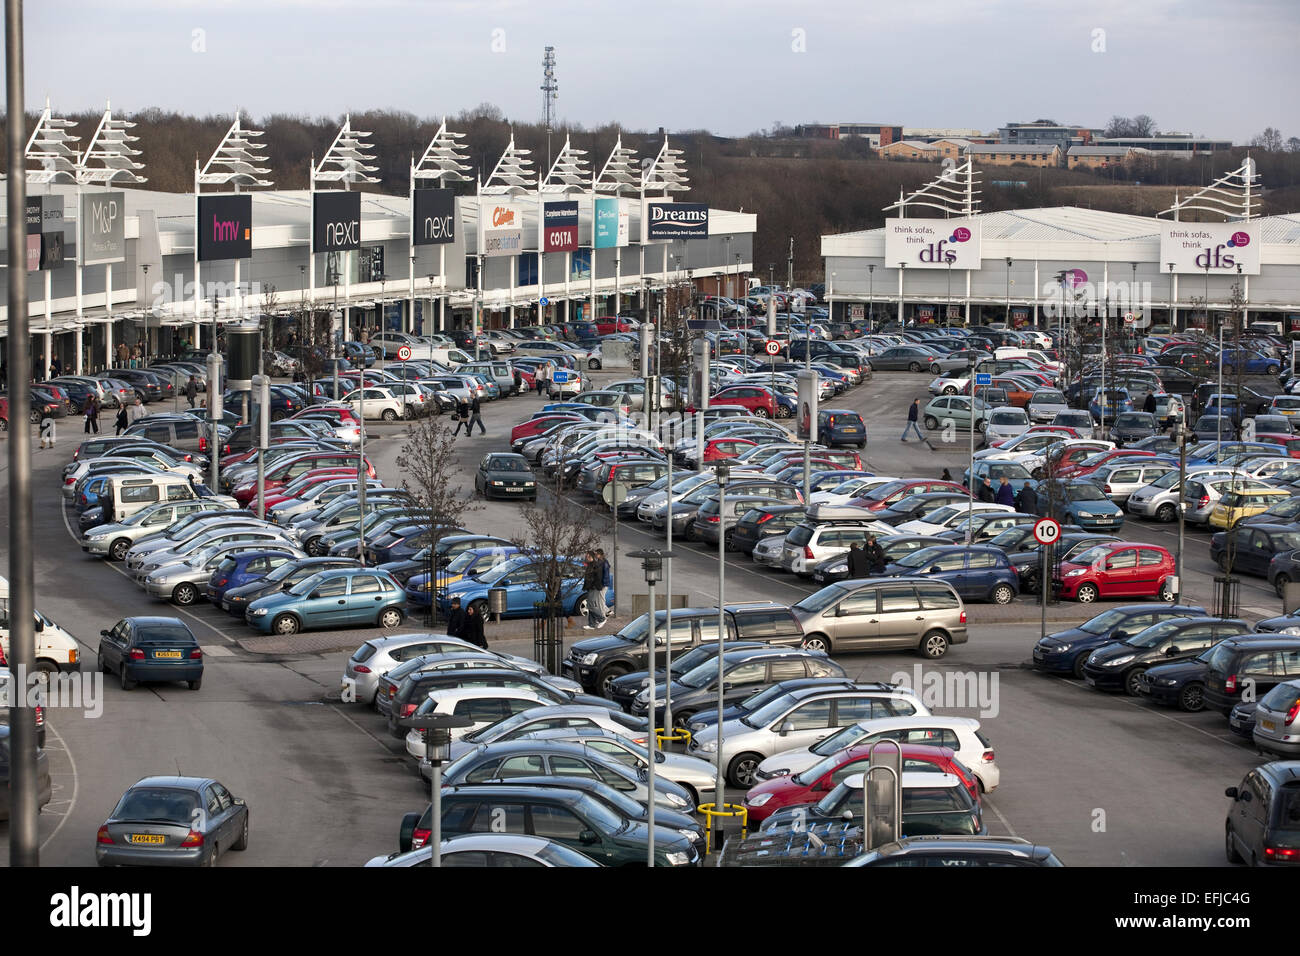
x,y
71,800
998,813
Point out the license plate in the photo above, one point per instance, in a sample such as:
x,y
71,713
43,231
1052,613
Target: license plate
x,y
1235,723
514,489
849,430
225,605
818,577
168,655
152,838
1268,725
1092,681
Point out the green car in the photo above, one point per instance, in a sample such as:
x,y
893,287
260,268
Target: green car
x,y
571,817
956,409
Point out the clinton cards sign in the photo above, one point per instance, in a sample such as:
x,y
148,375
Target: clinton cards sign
x,y
502,229
933,243
677,220
1214,247
560,226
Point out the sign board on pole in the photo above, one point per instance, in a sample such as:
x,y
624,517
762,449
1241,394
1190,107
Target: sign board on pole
x,y
338,222
103,228
807,397
543,302
44,227
1047,531
680,220
225,227
772,347
857,312
560,226
404,353
983,378
933,243
560,376
435,217
611,228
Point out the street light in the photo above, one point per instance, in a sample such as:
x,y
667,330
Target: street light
x,y
902,267
722,471
652,562
871,296
1008,318
1172,327
437,749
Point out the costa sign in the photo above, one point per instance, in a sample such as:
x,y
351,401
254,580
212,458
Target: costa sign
x,y
1215,247
337,217
560,226
434,219
502,230
680,220
933,243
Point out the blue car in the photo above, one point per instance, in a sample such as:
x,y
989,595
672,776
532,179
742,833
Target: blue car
x,y
350,598
466,565
841,426
520,578
977,573
1217,452
1116,400
1065,652
153,649
242,568
358,354
1251,362
826,480
1079,501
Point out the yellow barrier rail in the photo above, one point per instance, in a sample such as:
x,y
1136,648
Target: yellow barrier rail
x,y
711,810
682,735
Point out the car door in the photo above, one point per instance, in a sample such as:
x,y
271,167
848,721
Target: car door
x,y
113,646
554,822
524,591
855,621
899,616
742,680
365,598
329,603
805,725
1254,551
231,819
1120,574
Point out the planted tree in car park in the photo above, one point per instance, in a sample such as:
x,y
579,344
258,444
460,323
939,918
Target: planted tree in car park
x,y
429,473
553,533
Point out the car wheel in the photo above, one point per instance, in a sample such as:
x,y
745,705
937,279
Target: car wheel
x,y
118,549
34,417
1131,681
1280,583
4,424
934,645
390,618
1272,370
935,370
1192,698
285,624
1166,513
185,594
931,423
315,547
783,412
1079,661
103,664
593,365
1230,848
607,677
1086,594
1165,593
1002,594
949,390
196,684
981,425
1224,562
242,842
817,642
740,772
125,681
761,413
914,367
388,415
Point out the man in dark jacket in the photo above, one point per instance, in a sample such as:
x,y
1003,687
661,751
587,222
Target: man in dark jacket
x,y
859,564
1006,494
913,411
1028,500
1149,405
462,417
875,556
474,417
191,390
456,619
593,577
984,492
474,628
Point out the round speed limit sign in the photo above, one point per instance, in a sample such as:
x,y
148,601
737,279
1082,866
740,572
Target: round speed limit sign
x,y
773,347
404,353
1047,531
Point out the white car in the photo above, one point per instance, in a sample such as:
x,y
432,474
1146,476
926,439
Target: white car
x,y
770,552
481,705
950,383
1007,421
374,402
567,717
960,734
847,490
1025,444
800,718
948,517
475,848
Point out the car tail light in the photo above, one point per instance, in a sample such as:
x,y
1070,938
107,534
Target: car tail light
x,y
361,669
193,838
221,582
767,517
1230,685
988,756
1292,713
196,654
963,617
203,444
419,838
136,654
1205,500
1281,853
40,716
408,710
808,552
1106,488
69,481
103,836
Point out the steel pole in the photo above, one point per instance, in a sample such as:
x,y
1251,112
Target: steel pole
x,y
652,741
613,608
718,800
435,811
1179,430
24,850
668,607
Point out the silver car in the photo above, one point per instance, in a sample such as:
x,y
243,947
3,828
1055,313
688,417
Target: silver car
x,y
115,540
1080,420
474,848
1159,499
1120,480
880,614
770,552
1045,404
183,582
1201,494
1277,729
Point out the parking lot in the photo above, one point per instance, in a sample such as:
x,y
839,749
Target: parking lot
x,y
1102,779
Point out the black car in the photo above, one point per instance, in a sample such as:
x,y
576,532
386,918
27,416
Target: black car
x,y
1157,444
1118,666
148,385
505,475
624,689
743,673
1238,664
1131,427
895,546
1263,824
1066,652
1241,719
1251,549
758,523
914,507
598,661
1182,685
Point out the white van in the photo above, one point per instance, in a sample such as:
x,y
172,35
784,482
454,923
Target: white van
x,y
56,649
449,355
127,494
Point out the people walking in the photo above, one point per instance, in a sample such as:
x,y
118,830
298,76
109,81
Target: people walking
x,y
985,492
456,619
592,585
462,416
474,416
474,628
1006,495
1028,500
121,422
1149,404
875,555
913,411
191,390
859,564
606,582
91,410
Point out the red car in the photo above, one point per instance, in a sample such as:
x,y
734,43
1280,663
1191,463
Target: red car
x,y
1086,466
768,796
1290,442
757,401
717,449
305,483
284,471
1118,569
882,496
1071,455
543,423
4,420
608,325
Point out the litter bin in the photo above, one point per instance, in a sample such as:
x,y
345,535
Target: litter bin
x,y
497,602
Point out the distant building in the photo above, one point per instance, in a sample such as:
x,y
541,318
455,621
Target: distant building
x,y
930,134
1042,156
1177,144
951,148
1102,157
911,149
877,134
1045,134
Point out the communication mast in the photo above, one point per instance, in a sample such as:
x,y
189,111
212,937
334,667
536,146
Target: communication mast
x,y
550,93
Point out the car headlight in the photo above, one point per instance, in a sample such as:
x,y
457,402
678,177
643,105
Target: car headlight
x,y
678,859
1075,573
258,612
589,659
1118,661
691,835
530,484
676,800
759,800
498,483
1165,681
1087,514
1062,647
709,746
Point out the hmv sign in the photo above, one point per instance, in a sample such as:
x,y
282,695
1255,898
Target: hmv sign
x,y
103,230
337,222
225,228
434,217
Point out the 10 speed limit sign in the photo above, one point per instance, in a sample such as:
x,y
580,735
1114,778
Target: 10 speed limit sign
x,y
404,352
773,347
1047,531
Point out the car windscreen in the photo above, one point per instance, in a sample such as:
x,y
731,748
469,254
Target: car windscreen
x,y
1156,634
820,600
1134,420
1084,491
507,464
1047,397
921,557
770,711
157,805
163,634
1017,417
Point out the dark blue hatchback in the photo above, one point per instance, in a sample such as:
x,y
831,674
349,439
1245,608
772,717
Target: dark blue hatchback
x,y
977,572
1065,652
154,649
243,568
841,426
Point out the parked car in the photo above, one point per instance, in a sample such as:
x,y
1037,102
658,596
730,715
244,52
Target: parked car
x,y
1239,663
1263,823
1277,729
1066,651
357,597
151,649
1118,569
976,572
173,821
958,851
847,616
1118,666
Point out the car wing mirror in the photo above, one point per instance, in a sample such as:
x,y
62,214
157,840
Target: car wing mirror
x,y
314,594
587,837
935,569
846,815
1231,793
785,728
1172,650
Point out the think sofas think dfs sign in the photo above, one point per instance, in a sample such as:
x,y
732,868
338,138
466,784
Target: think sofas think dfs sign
x,y
933,243
1214,247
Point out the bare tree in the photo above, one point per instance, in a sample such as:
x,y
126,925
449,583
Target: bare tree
x,y
428,464
1144,125
1293,144
1270,140
556,538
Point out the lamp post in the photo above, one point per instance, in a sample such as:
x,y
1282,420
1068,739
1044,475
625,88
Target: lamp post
x,y
902,268
437,750
723,472
1008,316
1172,327
947,309
871,296
652,562
970,468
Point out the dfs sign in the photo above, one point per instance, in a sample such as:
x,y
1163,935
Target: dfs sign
x,y
1214,247
933,243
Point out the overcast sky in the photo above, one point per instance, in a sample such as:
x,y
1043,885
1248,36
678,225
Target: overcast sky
x,y
1220,69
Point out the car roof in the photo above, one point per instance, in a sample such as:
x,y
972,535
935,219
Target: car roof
x,y
512,790
459,693
176,782
902,723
